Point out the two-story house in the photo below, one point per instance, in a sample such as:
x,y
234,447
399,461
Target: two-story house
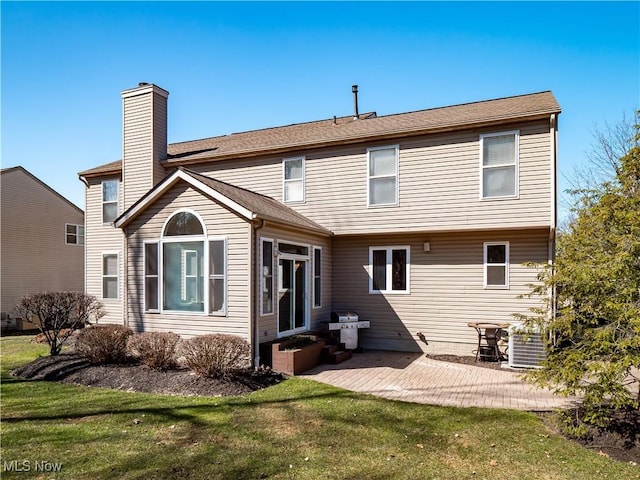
x,y
421,222
42,243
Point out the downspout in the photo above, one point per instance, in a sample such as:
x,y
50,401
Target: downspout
x,y
553,134
253,281
86,187
125,278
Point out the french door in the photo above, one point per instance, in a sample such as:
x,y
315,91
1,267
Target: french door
x,y
292,295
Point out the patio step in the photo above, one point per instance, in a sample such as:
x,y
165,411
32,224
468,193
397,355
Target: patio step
x,y
334,354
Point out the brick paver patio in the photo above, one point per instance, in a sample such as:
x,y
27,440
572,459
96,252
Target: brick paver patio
x,y
416,378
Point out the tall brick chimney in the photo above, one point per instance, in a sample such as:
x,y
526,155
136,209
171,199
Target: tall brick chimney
x,y
144,139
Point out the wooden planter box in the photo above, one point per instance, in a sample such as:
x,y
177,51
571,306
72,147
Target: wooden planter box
x,y
297,360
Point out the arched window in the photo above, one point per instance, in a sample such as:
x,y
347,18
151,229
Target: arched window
x,y
191,275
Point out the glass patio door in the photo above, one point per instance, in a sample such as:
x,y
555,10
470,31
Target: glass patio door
x,y
292,295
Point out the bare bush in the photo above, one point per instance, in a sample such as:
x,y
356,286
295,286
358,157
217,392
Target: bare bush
x,y
58,314
216,355
155,349
104,344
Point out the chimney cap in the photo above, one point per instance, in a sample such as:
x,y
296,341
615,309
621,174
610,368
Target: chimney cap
x,y
143,84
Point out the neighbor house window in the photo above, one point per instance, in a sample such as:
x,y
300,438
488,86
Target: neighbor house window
x,y
389,269
383,176
499,160
266,281
496,265
74,234
192,271
317,277
151,277
110,275
109,201
293,183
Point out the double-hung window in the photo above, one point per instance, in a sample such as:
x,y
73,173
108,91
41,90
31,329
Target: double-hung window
x,y
499,165
217,277
266,278
293,179
496,265
109,201
151,277
109,275
389,269
74,234
382,186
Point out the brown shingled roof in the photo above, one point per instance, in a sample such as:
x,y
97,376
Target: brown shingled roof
x,y
246,203
346,130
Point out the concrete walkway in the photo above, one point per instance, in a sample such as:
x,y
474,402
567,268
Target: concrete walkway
x,y
412,377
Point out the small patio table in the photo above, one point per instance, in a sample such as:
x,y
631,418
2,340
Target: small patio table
x,y
490,334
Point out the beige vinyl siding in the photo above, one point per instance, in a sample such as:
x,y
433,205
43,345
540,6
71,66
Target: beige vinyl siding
x,y
103,238
446,286
268,329
144,140
219,222
439,184
33,252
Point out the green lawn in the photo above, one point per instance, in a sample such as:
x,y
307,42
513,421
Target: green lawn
x,y
298,429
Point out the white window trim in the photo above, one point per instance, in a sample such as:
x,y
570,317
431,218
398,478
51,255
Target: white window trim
x,y
316,302
76,234
506,265
395,175
103,202
205,238
157,276
285,180
292,256
516,159
264,240
389,269
218,276
103,276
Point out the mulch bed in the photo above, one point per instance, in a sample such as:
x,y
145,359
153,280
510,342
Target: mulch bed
x,y
71,368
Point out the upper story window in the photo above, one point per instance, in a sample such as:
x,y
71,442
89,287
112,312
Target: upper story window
x,y
109,201
382,180
74,234
293,179
496,265
499,164
389,269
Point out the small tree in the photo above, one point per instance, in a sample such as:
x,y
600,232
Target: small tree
x,y
593,328
58,314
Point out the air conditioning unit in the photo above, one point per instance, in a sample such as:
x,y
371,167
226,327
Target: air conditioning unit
x,y
526,348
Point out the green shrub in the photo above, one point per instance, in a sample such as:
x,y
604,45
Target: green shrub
x,y
104,344
215,355
155,349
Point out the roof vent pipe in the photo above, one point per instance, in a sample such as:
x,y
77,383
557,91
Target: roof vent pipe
x,y
356,115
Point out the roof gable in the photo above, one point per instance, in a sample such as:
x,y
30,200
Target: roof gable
x,y
247,204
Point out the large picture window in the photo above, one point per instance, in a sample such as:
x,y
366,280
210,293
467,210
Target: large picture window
x,y
496,265
383,176
389,269
191,273
109,201
499,155
293,183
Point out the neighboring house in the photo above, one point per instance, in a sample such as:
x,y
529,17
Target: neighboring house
x,y
42,247
421,222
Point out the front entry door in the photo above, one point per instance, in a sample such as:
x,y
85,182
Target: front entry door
x,y
292,295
